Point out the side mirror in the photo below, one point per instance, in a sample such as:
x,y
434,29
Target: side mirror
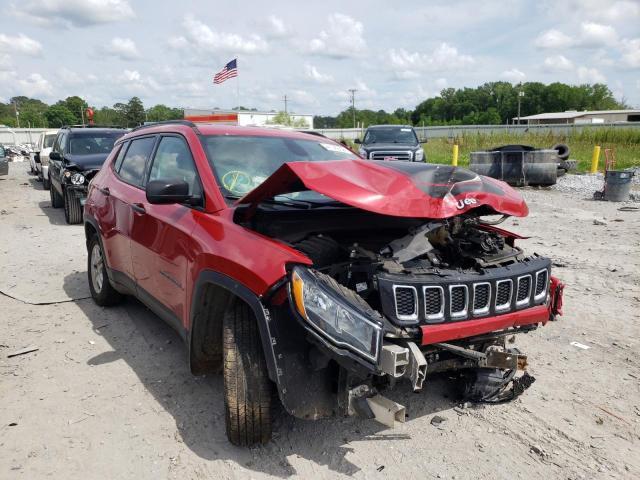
x,y
357,140
55,156
167,191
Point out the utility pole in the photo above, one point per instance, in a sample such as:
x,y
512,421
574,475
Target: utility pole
x,y
520,95
15,105
353,104
285,105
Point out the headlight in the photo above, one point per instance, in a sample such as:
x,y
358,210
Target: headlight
x,y
419,155
333,317
363,152
77,179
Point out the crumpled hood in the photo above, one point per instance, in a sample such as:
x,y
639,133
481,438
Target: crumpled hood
x,y
400,189
87,162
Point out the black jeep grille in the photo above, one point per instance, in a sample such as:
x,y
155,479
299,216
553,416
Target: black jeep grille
x,y
433,301
524,288
481,297
541,282
406,301
458,299
503,295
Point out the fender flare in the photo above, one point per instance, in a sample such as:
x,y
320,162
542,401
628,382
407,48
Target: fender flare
x,y
262,315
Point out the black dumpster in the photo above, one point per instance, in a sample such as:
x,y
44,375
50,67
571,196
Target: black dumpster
x,y
518,165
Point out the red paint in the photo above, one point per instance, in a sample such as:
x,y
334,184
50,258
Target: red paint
x,y
379,188
469,328
216,117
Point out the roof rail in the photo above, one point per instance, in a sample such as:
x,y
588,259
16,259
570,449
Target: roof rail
x,y
188,123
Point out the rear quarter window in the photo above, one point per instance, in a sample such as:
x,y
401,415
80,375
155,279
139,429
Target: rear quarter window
x,y
132,167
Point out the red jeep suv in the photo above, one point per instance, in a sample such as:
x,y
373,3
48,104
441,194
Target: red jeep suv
x,y
289,264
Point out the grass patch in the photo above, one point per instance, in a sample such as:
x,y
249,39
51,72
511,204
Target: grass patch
x,y
624,142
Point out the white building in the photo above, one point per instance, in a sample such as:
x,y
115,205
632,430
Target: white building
x,y
586,116
241,117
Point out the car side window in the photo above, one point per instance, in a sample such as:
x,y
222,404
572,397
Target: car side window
x,y
173,160
63,142
118,162
132,166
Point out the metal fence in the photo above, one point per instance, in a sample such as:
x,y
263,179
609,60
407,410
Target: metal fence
x,y
454,131
19,136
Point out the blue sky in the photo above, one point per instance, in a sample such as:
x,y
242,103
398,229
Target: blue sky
x,y
395,54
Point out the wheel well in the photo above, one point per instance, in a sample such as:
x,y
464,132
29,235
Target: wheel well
x,y
89,231
206,328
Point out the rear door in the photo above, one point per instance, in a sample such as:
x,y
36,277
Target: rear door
x,y
124,193
55,166
161,243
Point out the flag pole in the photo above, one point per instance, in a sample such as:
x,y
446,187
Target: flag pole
x,y
237,87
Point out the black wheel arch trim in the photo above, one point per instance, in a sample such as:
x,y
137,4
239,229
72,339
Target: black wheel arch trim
x,y
262,315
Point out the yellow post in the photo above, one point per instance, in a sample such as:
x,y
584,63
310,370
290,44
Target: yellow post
x,y
595,159
454,161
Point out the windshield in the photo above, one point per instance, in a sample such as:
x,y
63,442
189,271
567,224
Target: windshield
x,y
391,135
48,140
241,163
92,144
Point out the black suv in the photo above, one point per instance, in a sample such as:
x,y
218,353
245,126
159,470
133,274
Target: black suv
x,y
76,156
391,142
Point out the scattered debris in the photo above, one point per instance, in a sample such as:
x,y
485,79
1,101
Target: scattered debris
x,y
380,468
23,351
437,420
538,450
599,222
613,414
13,424
580,345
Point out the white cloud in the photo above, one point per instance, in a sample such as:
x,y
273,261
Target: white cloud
x,y
199,35
6,63
408,65
590,75
514,75
441,83
341,39
631,53
304,98
597,35
20,44
553,39
69,78
34,85
136,84
123,48
276,28
558,63
77,13
312,73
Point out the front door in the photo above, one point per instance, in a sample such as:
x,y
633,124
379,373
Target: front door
x,y
162,248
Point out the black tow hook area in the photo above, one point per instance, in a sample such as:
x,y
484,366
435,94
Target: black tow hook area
x,y
492,385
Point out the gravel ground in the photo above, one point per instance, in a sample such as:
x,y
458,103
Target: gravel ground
x,y
108,395
587,184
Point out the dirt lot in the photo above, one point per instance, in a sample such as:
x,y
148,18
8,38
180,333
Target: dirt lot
x,y
108,394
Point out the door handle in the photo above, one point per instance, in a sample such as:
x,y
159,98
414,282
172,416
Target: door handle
x,y
138,208
105,191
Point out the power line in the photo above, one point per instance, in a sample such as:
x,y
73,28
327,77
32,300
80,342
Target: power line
x,y
285,104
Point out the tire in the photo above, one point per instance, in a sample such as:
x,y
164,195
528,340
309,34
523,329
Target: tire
x,y
561,172
247,388
101,289
562,149
56,199
72,208
46,184
569,164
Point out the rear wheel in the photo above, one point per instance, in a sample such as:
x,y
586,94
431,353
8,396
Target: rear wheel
x,y
101,290
45,183
56,198
247,388
72,208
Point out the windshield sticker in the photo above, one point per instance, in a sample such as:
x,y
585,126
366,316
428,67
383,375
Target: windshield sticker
x,y
405,129
334,148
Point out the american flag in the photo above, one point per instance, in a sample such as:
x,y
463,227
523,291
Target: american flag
x,y
230,70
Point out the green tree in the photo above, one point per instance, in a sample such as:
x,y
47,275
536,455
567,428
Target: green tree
x,y
159,113
76,106
283,118
135,114
59,115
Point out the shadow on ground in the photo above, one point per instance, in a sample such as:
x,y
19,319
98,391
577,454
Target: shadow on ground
x,y
159,358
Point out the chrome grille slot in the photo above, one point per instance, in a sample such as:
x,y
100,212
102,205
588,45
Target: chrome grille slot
x,y
542,278
433,302
406,300
524,290
458,301
481,298
504,289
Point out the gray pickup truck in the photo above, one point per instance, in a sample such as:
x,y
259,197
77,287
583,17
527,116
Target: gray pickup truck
x,y
391,142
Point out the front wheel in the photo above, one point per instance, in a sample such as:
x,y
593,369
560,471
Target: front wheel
x,y
247,388
72,208
101,290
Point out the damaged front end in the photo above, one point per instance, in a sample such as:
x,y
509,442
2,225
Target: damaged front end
x,y
392,296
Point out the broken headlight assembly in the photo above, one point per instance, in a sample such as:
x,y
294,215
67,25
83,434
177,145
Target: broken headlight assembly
x,y
77,179
332,316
